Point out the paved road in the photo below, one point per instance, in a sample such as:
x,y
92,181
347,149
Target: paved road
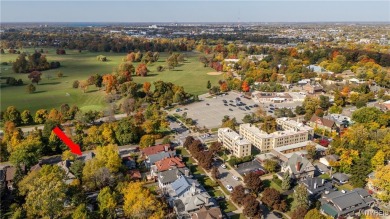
x,y
26,130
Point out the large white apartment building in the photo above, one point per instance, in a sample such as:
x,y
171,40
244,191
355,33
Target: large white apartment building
x,y
231,140
292,125
266,142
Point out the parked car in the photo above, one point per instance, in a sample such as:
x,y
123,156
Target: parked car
x,y
246,107
235,178
224,101
178,110
226,104
230,109
229,188
207,104
277,214
256,105
223,166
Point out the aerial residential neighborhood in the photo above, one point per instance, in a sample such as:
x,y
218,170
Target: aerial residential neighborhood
x,y
195,110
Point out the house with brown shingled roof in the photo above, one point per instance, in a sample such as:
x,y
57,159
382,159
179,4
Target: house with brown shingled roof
x,y
322,123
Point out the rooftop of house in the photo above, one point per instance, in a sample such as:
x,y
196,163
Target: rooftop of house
x,y
156,149
298,164
204,213
190,202
10,173
182,185
300,145
293,125
315,185
340,177
169,162
343,202
172,174
332,157
160,156
135,174
322,121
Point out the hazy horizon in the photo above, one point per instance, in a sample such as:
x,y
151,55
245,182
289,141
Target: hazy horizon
x,y
195,11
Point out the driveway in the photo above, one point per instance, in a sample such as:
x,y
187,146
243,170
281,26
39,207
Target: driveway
x,y
226,177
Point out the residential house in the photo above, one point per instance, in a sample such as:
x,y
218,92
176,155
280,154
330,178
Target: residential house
x,y
344,203
187,196
298,167
207,213
65,166
169,176
153,158
10,172
135,175
328,159
316,186
313,88
340,178
156,149
322,168
166,164
323,123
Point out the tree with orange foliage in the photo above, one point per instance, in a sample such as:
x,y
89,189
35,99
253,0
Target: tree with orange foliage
x,y
146,87
224,87
345,91
245,86
142,70
110,82
130,57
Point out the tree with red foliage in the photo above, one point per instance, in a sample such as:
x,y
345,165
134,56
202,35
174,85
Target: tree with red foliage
x,y
35,76
253,182
146,87
110,82
224,87
238,195
142,70
299,213
251,207
273,199
245,86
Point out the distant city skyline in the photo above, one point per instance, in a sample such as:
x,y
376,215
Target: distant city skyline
x,y
195,11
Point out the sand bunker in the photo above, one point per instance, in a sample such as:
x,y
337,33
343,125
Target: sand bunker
x,y
214,73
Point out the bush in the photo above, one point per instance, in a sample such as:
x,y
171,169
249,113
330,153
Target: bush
x,y
4,63
101,58
60,74
30,88
76,84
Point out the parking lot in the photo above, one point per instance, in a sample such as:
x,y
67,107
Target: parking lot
x,y
248,166
269,108
225,176
210,111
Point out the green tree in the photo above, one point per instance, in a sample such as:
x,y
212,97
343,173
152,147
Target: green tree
x,y
13,115
26,117
45,192
366,115
107,203
81,212
270,165
26,152
77,169
301,196
314,213
286,182
108,156
208,84
147,141
40,116
31,88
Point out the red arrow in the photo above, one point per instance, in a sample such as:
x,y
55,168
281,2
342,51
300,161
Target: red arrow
x,y
74,148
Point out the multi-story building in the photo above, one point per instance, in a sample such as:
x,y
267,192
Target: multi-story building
x,y
266,142
292,125
231,140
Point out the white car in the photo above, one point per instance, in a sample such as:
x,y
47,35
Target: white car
x,y
229,188
235,178
223,166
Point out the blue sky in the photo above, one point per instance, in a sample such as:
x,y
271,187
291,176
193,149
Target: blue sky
x,y
194,11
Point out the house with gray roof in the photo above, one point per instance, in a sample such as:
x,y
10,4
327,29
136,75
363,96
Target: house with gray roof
x,y
152,159
298,167
186,195
167,177
340,178
316,186
344,203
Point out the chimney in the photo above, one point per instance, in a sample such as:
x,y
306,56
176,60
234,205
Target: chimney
x,y
323,181
186,172
315,185
298,166
166,147
206,200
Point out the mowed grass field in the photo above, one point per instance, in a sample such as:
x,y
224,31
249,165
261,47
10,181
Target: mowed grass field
x,y
52,91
